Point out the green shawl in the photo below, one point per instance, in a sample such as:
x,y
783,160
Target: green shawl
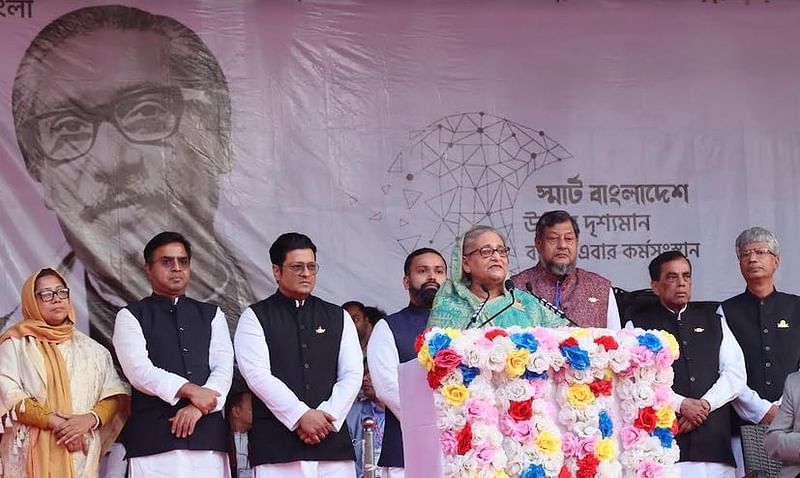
x,y
455,304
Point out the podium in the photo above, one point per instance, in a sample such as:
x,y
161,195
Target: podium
x,y
536,402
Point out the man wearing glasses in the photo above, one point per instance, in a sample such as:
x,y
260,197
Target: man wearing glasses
x,y
177,355
767,325
585,297
124,118
301,358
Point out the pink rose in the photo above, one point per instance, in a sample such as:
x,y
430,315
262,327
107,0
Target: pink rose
x,y
538,388
447,440
569,444
483,343
485,453
642,356
507,425
522,432
630,436
587,446
545,339
664,358
481,411
663,394
649,469
447,359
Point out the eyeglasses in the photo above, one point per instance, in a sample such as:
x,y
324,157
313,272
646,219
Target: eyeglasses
x,y
297,268
487,251
50,295
758,253
142,117
178,263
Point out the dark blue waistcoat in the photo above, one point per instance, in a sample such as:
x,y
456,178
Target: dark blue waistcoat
x,y
178,338
405,325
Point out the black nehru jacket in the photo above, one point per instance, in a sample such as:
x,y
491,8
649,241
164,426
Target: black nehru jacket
x,y
769,334
303,347
178,338
698,330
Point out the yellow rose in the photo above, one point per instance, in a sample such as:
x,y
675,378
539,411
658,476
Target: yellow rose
x,y
579,395
424,357
548,442
606,449
516,362
581,333
455,394
665,416
500,474
671,343
453,333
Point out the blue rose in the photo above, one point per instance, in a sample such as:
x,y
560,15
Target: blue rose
x,y
438,342
533,471
606,425
528,375
650,341
664,435
525,341
468,373
577,357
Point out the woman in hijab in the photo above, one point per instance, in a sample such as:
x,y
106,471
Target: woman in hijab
x,y
61,400
479,270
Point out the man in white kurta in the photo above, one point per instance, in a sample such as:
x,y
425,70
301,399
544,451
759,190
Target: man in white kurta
x,y
177,355
302,361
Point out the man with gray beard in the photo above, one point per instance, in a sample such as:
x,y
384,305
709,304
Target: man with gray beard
x,y
392,343
585,297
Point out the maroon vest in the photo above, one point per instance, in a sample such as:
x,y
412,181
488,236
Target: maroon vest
x,y
584,294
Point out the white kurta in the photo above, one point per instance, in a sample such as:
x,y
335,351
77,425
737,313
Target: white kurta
x,y
384,362
131,348
252,356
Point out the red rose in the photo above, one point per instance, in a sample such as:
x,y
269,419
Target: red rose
x,y
436,375
601,387
570,342
646,419
564,473
447,358
491,334
464,439
521,411
675,429
419,342
587,466
607,341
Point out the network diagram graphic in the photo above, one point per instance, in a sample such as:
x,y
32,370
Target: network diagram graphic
x,y
460,170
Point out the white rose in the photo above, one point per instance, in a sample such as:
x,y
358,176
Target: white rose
x,y
567,416
496,358
538,361
619,360
645,374
665,376
453,378
481,387
598,358
451,418
624,389
518,390
643,395
579,376
629,410
586,430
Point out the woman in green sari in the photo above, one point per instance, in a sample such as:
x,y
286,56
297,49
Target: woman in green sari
x,y
479,269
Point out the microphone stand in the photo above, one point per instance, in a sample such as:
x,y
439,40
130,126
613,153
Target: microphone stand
x,y
510,287
480,309
550,306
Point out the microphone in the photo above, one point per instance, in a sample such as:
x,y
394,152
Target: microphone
x,y
550,306
480,309
510,287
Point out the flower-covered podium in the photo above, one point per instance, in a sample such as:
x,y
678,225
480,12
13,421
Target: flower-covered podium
x,y
569,402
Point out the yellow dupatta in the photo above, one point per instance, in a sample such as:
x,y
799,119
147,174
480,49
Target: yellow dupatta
x,y
45,458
